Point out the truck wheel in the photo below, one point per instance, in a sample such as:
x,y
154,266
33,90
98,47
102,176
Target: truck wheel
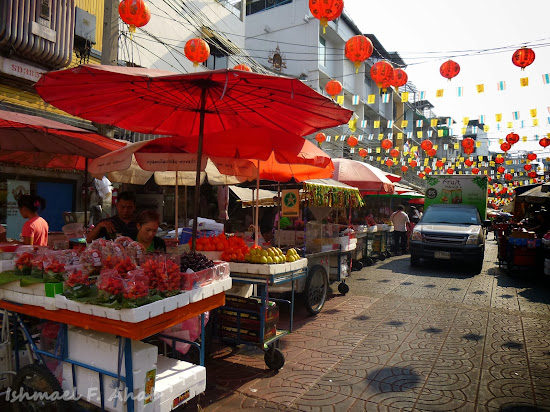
x,y
415,260
315,291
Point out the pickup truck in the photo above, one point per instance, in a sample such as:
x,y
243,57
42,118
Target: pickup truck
x,y
450,232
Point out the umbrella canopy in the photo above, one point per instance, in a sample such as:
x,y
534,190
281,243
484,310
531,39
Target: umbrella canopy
x,y
362,176
35,141
538,194
159,102
393,178
269,154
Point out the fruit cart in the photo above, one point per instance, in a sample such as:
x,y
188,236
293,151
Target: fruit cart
x,y
521,253
247,323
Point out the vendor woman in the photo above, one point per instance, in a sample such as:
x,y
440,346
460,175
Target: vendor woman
x,y
148,223
35,229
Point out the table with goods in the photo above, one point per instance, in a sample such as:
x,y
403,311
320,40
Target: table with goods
x,y
519,248
86,317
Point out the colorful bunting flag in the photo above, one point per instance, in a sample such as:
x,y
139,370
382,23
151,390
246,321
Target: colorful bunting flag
x,y
515,115
485,128
440,133
390,124
480,88
419,123
404,123
501,86
371,99
498,117
465,121
404,97
340,100
463,131
533,112
355,99
381,136
363,124
459,91
422,95
376,124
524,81
439,93
386,98
433,122
430,133
535,122
419,134
546,78
481,118
399,136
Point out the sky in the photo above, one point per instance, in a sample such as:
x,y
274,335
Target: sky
x,y
418,31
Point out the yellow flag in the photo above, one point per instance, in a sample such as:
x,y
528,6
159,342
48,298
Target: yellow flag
x,y
336,138
461,159
380,136
426,161
435,146
535,122
440,133
404,123
456,146
480,88
498,117
524,138
480,158
340,100
419,134
524,81
508,162
443,159
352,124
433,123
376,124
500,141
510,125
378,158
404,97
439,93
478,144
511,170
399,136
414,149
485,128
533,112
485,171
463,130
377,150
371,99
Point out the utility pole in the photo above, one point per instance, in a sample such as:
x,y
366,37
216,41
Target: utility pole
x,y
109,45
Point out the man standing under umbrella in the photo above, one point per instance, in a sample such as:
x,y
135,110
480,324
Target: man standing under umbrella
x,y
123,223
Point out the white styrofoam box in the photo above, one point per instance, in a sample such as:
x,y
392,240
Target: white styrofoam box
x,y
87,386
7,265
182,299
242,290
9,285
98,310
137,314
174,378
113,314
201,293
239,267
86,308
61,301
49,303
221,286
298,264
170,303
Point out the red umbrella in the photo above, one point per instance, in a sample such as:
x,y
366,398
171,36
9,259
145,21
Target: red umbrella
x,y
194,104
35,141
362,176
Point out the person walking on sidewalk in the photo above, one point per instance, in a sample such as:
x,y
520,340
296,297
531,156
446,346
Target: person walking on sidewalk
x,y
400,220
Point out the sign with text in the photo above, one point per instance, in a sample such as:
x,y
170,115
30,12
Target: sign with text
x,y
14,220
291,203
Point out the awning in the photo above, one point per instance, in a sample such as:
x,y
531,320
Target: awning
x,y
332,193
539,194
247,197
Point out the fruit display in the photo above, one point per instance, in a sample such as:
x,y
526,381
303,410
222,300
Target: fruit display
x,y
23,264
194,261
54,271
77,284
271,255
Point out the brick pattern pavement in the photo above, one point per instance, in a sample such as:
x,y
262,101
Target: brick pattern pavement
x,y
404,339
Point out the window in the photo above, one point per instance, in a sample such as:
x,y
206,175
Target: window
x,y
255,6
217,59
322,51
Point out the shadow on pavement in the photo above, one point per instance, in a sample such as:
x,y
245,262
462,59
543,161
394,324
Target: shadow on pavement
x,y
536,287
438,269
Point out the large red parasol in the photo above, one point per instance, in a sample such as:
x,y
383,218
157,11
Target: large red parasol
x,y
35,141
195,104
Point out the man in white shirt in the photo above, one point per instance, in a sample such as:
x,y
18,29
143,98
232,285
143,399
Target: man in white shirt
x,y
400,219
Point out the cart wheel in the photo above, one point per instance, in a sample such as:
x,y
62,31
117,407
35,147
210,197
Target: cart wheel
x,y
343,288
274,359
316,289
357,265
368,261
388,254
382,256
38,378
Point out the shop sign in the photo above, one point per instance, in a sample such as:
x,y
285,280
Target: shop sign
x,y
15,221
22,70
291,203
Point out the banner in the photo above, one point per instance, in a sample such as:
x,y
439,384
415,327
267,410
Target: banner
x,y
15,221
291,203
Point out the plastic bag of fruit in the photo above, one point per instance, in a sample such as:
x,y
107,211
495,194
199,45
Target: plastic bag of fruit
x,y
54,267
23,261
123,241
136,252
110,286
164,273
136,286
111,255
38,260
78,283
91,260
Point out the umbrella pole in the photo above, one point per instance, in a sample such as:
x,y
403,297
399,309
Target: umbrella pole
x,y
86,193
198,176
256,228
279,214
185,204
176,212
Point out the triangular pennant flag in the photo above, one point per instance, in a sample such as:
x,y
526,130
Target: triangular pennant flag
x,y
501,86
422,95
522,124
390,136
535,122
329,138
340,100
430,134
360,137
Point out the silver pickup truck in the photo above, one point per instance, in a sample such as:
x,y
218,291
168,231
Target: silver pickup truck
x,y
449,232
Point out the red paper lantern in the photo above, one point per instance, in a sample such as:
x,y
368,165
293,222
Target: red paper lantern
x,y
326,10
449,69
427,169
404,169
439,163
358,49
394,153
523,57
386,144
431,152
363,152
382,74
544,142
475,170
242,67
527,167
426,145
489,179
468,162
135,13
532,174
320,137
469,150
197,50
352,141
450,171
468,143
512,138
421,175
389,163
505,146
499,160
500,169
508,176
400,78
413,163
532,156
333,88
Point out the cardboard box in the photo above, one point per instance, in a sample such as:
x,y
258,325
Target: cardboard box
x,y
523,235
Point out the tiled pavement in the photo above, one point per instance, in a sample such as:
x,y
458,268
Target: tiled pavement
x,y
428,338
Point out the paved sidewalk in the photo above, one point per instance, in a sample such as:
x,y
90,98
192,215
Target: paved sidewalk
x,y
419,339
